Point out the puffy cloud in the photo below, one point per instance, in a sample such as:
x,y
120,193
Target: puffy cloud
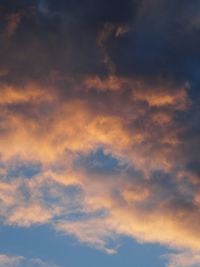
x,y
53,128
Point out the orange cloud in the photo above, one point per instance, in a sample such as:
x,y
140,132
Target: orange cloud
x,y
111,83
158,98
134,123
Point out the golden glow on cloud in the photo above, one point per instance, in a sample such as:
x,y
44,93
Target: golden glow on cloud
x,y
99,123
39,125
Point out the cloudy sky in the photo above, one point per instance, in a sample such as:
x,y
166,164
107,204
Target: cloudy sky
x,y
99,133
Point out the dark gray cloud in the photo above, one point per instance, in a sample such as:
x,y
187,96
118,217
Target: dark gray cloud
x,y
162,41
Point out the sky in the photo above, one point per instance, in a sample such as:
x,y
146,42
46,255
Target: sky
x,y
99,133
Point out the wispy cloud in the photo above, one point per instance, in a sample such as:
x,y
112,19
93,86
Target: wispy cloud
x,y
183,259
19,261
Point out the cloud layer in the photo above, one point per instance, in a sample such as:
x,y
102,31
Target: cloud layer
x,y
99,121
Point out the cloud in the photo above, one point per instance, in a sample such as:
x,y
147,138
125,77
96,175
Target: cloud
x,y
13,21
19,261
115,77
183,259
10,260
95,232
52,128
